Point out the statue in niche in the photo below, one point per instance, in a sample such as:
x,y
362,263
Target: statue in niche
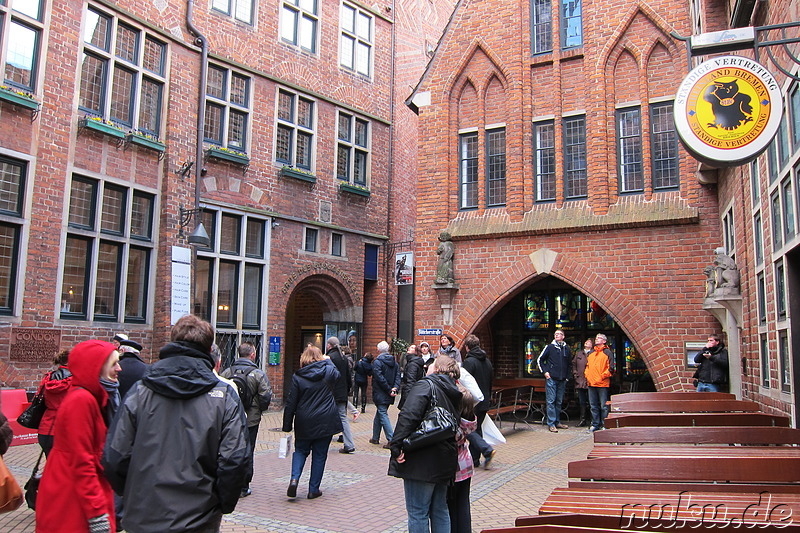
x,y
722,274
445,251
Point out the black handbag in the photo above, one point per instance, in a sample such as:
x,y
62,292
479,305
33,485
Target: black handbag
x,y
32,416
437,425
32,486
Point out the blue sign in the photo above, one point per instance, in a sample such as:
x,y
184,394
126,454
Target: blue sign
x,y
429,332
274,351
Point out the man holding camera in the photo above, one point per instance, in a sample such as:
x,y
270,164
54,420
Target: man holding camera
x,y
712,374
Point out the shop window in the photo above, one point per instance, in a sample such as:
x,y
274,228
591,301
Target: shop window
x,y
299,21
108,253
123,73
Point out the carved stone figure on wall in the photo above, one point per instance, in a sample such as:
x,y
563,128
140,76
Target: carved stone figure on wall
x,y
711,280
445,251
722,275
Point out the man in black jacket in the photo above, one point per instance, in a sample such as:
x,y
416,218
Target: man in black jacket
x,y
555,362
132,365
481,369
712,374
341,391
177,449
413,372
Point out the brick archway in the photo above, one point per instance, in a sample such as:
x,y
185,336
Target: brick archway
x,y
636,325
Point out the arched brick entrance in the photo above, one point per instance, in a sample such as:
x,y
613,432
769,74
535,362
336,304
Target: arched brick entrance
x,y
501,287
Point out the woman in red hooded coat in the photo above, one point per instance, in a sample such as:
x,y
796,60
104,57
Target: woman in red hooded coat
x,y
75,496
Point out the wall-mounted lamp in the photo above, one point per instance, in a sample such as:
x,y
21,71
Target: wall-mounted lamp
x,y
199,236
186,167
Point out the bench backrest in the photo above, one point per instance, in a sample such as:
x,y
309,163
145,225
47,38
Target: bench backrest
x,y
761,470
695,419
695,405
688,395
752,435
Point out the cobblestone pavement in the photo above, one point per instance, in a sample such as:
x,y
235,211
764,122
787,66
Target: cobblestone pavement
x,y
358,496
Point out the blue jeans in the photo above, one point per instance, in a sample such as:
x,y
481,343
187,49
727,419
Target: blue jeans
x,y
381,420
346,433
707,387
598,396
426,502
319,450
554,396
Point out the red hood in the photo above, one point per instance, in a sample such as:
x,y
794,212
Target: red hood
x,y
86,360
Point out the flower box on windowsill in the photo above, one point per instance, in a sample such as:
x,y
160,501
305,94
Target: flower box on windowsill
x,y
103,127
19,98
354,189
222,154
146,142
298,174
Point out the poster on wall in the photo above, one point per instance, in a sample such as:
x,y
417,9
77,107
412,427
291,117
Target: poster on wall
x,y
404,268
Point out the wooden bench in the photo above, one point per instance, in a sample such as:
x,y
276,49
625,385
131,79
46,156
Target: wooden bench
x,y
678,395
587,522
639,509
677,450
683,406
512,400
746,435
615,420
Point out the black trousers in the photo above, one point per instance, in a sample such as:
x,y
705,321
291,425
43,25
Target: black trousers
x,y
458,505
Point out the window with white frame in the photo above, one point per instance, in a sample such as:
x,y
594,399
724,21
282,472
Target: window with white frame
x,y
109,252
356,40
227,108
13,183
575,173
230,279
294,139
299,22
310,239
758,239
762,298
629,150
545,160
571,23
352,149
468,170
787,199
123,71
729,234
754,182
780,290
777,224
764,354
21,28
495,167
238,9
786,364
794,113
337,244
541,26
664,147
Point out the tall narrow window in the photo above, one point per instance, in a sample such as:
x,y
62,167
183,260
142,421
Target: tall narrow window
x,y
629,138
777,224
13,178
227,108
353,149
664,143
575,176
21,21
754,182
794,110
541,26
788,210
496,167
764,353
108,254
780,290
729,234
762,299
468,170
294,140
571,23
355,52
545,163
238,9
782,141
758,239
310,240
786,364
299,21
123,73
336,244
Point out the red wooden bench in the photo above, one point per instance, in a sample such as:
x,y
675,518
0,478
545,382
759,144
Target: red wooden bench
x,y
695,419
747,435
683,406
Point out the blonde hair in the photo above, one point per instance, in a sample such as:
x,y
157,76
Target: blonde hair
x,y
445,364
312,354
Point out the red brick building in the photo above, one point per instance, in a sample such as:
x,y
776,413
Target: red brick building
x,y
290,115
548,152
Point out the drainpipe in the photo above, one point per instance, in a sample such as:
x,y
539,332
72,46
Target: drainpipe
x,y
201,41
389,260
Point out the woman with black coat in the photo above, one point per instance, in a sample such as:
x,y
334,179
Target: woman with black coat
x,y
413,372
310,405
427,472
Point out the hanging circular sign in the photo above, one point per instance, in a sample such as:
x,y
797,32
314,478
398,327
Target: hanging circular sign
x,y
727,110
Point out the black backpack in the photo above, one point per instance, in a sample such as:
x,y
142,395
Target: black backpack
x,y
245,394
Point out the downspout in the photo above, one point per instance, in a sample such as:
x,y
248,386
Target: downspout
x,y
389,197
201,41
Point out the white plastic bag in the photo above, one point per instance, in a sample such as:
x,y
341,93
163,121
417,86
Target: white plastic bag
x,y
285,446
491,434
